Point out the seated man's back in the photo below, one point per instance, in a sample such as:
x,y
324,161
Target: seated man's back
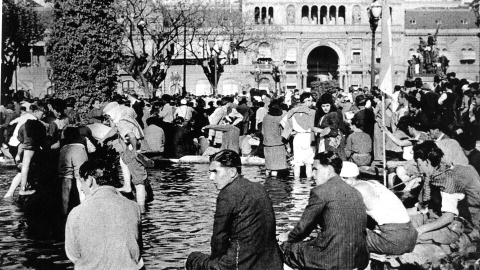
x,y
394,234
103,232
338,210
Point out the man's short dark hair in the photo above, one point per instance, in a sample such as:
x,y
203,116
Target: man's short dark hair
x,y
99,170
38,107
332,159
228,158
304,96
428,151
414,103
224,101
467,141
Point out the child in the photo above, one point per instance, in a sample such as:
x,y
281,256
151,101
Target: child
x,y
359,145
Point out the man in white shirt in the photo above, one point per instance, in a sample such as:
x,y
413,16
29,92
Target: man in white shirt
x,y
394,233
183,111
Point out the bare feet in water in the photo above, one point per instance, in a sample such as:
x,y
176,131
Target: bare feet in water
x,y
26,192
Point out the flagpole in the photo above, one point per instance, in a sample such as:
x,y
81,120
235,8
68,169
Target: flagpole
x,y
384,143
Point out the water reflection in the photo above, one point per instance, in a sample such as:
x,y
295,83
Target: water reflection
x,y
178,221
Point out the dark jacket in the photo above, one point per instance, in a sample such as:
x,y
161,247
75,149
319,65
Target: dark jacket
x,y
338,210
244,228
429,104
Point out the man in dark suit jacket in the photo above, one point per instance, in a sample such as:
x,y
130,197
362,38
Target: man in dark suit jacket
x,y
244,223
429,102
338,210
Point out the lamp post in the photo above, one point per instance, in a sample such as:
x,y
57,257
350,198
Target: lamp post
x,y
475,5
214,54
257,76
374,15
176,80
276,77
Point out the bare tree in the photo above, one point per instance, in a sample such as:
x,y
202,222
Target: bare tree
x,y
157,34
153,31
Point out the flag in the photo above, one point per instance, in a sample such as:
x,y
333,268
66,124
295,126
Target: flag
x,y
386,64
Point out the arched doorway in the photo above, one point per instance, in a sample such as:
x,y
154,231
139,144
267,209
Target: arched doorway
x,y
322,64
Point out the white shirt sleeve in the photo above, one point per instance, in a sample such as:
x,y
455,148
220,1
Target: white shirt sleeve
x,y
442,98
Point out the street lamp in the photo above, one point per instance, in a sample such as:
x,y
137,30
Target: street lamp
x,y
276,77
215,54
176,80
374,14
257,74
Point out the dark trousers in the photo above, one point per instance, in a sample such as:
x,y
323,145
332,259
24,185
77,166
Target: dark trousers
x,y
200,261
392,239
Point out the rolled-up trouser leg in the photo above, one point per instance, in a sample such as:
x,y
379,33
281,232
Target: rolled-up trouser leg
x,y
66,189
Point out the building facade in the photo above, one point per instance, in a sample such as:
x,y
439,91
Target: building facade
x,y
332,39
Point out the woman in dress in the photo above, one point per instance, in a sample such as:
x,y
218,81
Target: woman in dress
x,y
274,149
330,121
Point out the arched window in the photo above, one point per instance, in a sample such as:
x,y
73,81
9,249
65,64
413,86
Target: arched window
x,y
270,15
332,16
314,16
341,15
264,52
257,15
323,15
305,12
264,15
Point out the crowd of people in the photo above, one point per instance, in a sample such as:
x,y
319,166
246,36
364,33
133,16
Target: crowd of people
x,y
431,132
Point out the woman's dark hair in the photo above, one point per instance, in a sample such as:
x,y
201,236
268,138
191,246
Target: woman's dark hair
x,y
428,151
326,98
275,108
332,159
99,170
228,158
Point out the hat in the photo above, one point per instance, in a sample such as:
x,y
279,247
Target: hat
x,y
349,169
426,86
109,107
465,88
183,101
